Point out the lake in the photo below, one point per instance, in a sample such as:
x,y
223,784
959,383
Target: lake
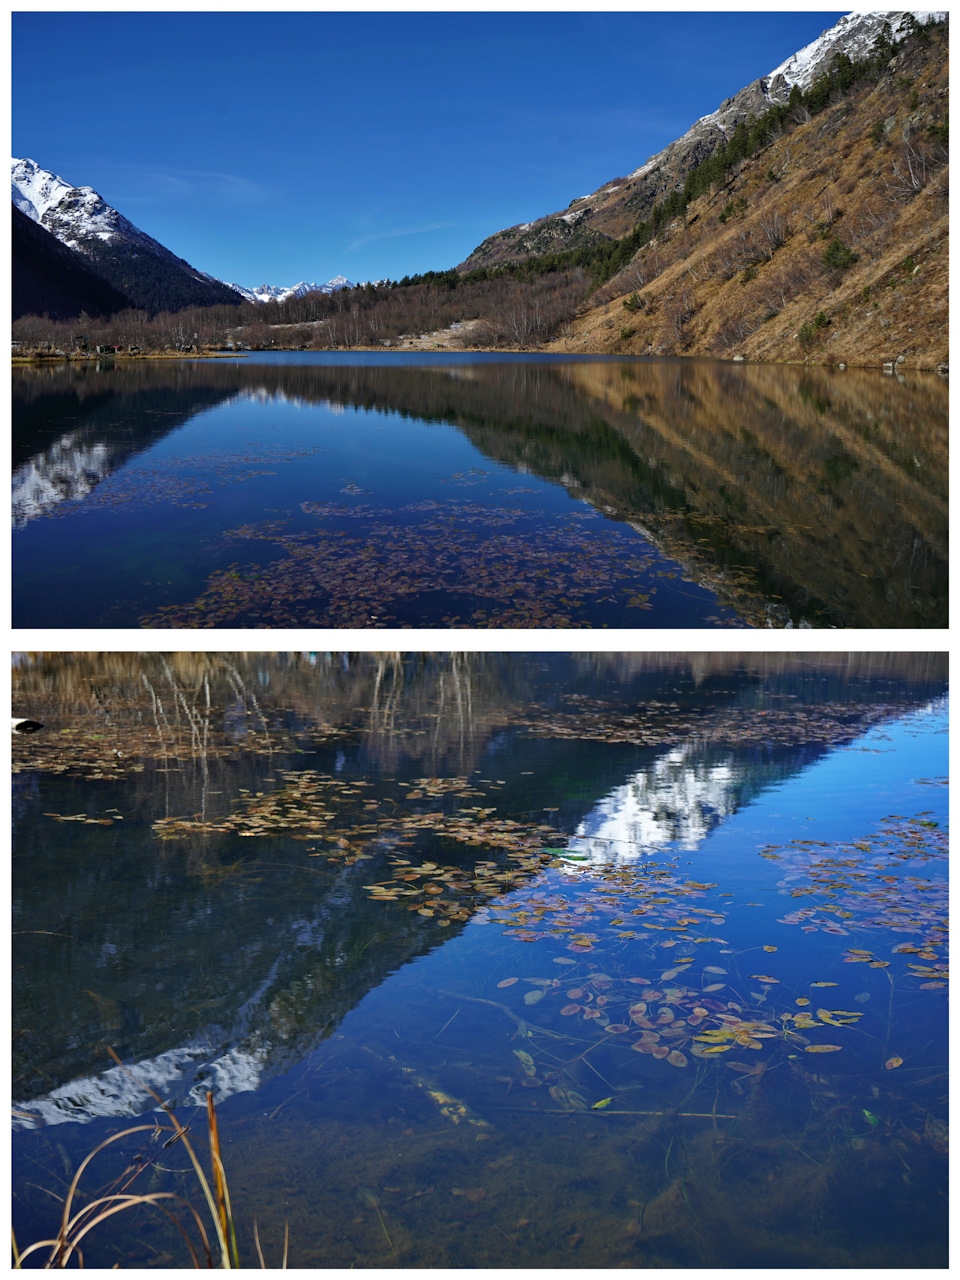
x,y
547,960
306,489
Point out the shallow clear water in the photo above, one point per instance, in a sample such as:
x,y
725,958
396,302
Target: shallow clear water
x,y
491,960
365,490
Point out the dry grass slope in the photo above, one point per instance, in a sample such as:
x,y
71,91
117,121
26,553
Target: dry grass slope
x,y
864,183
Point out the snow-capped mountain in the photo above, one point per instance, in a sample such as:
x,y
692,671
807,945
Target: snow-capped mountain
x,y
280,293
615,206
136,264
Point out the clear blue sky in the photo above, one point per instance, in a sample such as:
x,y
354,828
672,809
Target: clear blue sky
x,y
279,147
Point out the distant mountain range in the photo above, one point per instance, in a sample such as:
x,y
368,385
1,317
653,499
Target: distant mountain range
x,y
615,207
280,293
74,252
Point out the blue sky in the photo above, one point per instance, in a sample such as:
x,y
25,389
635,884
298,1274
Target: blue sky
x,y
271,148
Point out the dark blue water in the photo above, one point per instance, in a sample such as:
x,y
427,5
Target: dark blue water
x,y
373,490
475,980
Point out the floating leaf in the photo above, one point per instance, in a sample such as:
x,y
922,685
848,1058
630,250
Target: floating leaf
x,y
824,984
568,1010
763,977
604,1102
714,968
893,1062
532,997
508,982
715,986
715,1048
801,1000
677,1058
823,1048
769,948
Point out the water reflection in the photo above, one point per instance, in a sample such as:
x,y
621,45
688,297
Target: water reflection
x,y
792,495
359,898
678,800
268,790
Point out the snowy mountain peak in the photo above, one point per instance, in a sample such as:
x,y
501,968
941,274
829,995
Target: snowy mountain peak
x,y
81,219
73,214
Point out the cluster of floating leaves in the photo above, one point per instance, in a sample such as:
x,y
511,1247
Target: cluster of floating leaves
x,y
508,569
864,885
130,745
313,806
667,724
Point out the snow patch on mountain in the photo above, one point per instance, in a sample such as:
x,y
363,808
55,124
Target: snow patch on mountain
x,y
853,35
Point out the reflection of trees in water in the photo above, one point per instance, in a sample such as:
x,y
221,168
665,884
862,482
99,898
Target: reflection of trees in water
x,y
828,488
436,711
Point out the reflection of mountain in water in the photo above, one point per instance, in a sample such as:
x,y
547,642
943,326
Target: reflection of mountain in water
x,y
676,800
74,427
222,961
828,489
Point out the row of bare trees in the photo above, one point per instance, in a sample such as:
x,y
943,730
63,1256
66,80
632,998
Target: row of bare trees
x,y
506,312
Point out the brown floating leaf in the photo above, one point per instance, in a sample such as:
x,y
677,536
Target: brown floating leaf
x,y
822,1048
893,1062
677,1058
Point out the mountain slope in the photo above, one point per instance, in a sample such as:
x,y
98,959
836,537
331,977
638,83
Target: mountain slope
x,y
49,278
830,244
134,263
614,208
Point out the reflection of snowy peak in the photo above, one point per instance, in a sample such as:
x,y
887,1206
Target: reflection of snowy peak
x,y
70,469
117,1093
677,799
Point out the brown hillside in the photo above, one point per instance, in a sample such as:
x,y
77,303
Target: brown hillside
x,y
865,175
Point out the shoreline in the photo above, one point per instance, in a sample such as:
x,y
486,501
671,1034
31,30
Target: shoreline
x,y
913,364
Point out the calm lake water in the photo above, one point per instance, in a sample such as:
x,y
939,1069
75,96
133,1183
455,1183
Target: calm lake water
x,y
351,490
541,961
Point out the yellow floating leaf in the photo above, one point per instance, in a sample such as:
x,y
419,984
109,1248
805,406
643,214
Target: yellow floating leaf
x,y
822,1048
893,1062
824,984
715,1048
769,948
801,1000
604,1102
